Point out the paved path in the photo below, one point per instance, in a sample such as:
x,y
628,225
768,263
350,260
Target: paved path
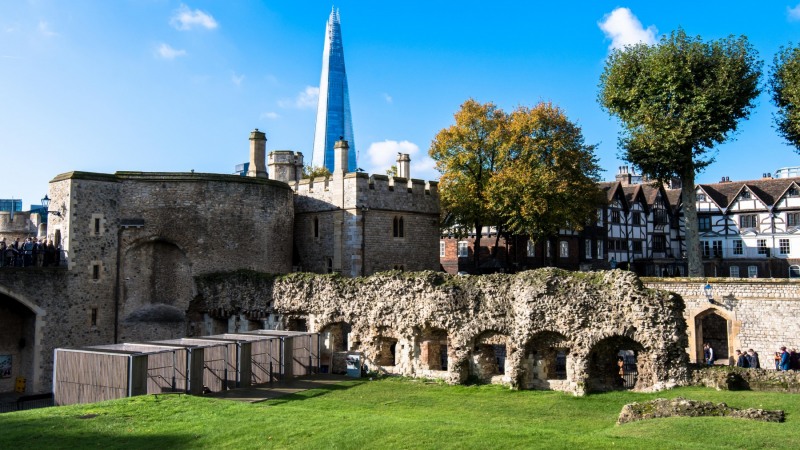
x,y
269,391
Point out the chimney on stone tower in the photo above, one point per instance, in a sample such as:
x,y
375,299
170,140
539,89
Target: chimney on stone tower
x,y
403,165
258,150
340,149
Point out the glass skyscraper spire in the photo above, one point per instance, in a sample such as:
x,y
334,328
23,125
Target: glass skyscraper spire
x,y
333,112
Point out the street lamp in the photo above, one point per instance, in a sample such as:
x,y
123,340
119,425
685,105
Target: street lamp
x,y
708,290
46,204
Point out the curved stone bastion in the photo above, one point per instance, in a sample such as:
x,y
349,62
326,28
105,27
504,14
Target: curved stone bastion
x,y
542,329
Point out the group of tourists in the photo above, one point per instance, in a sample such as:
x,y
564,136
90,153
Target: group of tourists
x,y
787,359
748,359
29,253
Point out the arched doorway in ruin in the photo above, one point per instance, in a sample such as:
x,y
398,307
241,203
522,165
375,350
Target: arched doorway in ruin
x,y
432,348
157,288
488,359
714,327
19,344
545,360
618,363
334,341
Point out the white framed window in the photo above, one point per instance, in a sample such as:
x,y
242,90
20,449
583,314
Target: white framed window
x,y
762,246
738,248
531,249
588,244
599,216
599,249
441,249
783,246
792,219
706,249
716,248
563,249
734,271
463,249
748,221
752,271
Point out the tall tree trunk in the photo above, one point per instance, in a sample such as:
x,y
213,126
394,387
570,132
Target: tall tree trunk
x,y
689,200
477,247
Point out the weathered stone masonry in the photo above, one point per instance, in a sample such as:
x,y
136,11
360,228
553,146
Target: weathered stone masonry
x,y
399,319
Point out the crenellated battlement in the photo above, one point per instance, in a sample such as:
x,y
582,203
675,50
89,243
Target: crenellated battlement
x,y
359,190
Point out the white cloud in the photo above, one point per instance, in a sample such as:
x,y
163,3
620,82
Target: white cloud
x,y
44,29
793,13
306,99
186,19
387,97
237,79
270,115
166,52
623,28
381,156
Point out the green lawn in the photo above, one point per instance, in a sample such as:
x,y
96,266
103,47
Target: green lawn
x,y
399,413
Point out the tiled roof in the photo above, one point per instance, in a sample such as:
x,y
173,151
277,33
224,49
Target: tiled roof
x,y
768,190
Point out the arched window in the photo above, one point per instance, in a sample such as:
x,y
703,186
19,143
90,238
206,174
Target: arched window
x,y
397,227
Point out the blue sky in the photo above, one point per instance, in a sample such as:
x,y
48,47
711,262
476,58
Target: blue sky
x,y
162,85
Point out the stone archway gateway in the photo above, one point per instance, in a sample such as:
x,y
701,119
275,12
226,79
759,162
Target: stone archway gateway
x,y
713,327
20,346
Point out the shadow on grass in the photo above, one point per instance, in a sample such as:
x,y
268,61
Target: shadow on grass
x,y
312,392
52,434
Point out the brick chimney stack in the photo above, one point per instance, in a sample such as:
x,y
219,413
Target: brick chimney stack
x,y
258,150
624,175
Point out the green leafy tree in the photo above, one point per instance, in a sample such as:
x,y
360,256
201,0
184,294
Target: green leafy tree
x,y
467,155
676,100
548,179
315,171
784,82
392,171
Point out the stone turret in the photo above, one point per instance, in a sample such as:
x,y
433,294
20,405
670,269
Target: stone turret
x,y
403,166
285,165
258,146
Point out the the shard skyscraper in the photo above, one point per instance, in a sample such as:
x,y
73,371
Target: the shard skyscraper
x,y
333,112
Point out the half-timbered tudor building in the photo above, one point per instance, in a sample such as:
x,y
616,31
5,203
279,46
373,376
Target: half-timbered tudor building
x,y
750,228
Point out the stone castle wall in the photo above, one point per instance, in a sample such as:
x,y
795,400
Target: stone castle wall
x,y
762,314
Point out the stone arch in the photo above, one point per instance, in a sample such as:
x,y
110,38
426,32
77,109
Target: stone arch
x,y
619,362
489,352
20,342
544,363
157,288
715,326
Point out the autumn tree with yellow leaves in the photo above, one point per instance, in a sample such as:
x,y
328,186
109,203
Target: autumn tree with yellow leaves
x,y
527,172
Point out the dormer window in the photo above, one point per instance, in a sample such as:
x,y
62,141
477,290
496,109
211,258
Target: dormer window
x,y
792,192
701,197
745,195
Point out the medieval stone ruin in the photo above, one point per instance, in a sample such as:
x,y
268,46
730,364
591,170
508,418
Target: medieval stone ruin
x,y
543,329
